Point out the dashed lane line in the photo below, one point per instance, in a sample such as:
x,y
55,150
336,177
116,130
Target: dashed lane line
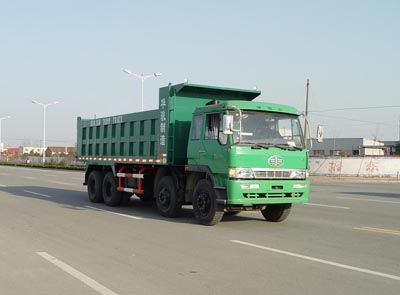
x,y
120,214
322,261
379,230
329,206
368,200
77,274
3,185
38,194
64,183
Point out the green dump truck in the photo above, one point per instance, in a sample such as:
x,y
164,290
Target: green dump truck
x,y
210,147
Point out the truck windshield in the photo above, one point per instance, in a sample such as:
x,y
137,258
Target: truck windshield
x,y
267,129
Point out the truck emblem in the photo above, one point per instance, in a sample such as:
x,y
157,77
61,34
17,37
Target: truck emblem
x,y
275,161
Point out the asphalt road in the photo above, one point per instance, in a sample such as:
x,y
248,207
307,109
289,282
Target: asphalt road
x,y
54,241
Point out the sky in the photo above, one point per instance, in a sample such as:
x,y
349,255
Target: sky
x,y
74,52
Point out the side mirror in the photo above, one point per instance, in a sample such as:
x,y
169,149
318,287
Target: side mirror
x,y
320,133
227,124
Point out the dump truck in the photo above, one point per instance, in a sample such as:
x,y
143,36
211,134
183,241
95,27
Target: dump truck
x,y
211,147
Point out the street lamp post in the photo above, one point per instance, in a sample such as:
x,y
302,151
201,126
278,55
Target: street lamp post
x,y
1,142
142,78
44,105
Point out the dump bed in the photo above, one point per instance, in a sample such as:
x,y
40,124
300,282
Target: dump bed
x,y
151,137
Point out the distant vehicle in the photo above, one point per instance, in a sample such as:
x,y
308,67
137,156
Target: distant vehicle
x,y
208,146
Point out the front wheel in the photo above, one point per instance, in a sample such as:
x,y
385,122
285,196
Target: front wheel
x,y
205,206
276,212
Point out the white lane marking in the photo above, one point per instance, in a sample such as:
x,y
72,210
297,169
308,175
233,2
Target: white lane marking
x,y
368,200
3,185
38,194
120,214
64,183
323,205
77,274
340,265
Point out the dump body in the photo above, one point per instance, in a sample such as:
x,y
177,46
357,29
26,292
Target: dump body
x,y
156,136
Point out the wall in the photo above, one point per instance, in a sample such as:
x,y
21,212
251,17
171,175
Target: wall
x,y
356,166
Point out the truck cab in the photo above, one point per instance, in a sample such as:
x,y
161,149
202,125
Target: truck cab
x,y
255,153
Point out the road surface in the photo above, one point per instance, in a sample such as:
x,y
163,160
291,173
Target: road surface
x,y
54,241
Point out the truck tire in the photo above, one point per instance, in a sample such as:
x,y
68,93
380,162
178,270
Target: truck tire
x,y
205,206
94,186
111,196
168,203
276,212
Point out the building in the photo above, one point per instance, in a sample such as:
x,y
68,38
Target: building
x,y
11,152
28,150
347,147
60,150
392,148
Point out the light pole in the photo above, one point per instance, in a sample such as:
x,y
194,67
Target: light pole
x,y
142,78
1,142
44,105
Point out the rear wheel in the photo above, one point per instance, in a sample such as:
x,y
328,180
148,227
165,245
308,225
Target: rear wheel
x,y
276,212
168,202
205,206
94,186
111,196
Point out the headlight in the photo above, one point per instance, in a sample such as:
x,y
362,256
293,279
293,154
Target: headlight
x,y
298,174
241,173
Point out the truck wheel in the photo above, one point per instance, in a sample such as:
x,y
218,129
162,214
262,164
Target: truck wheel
x,y
276,212
111,196
205,206
94,186
167,200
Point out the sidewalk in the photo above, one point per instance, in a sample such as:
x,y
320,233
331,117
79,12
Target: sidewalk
x,y
361,179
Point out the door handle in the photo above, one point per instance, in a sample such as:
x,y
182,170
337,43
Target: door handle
x,y
202,152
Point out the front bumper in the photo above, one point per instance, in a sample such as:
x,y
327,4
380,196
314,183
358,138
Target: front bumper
x,y
268,192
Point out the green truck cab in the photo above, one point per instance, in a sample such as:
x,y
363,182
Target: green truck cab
x,y
210,147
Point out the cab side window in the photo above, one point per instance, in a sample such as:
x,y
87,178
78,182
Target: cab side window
x,y
196,129
214,128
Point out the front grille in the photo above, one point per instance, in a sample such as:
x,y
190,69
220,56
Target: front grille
x,y
271,195
272,174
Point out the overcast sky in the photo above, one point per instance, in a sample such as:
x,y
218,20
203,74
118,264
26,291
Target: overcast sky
x,y
74,52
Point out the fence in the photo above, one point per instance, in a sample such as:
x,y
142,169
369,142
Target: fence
x,y
356,166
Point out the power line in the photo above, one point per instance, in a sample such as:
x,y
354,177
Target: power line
x,y
356,108
356,120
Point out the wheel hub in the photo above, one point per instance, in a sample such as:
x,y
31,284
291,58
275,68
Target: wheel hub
x,y
164,197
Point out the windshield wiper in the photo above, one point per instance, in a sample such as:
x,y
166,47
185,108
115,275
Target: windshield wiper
x,y
287,147
269,145
256,145
280,146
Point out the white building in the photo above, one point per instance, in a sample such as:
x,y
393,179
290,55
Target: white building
x,y
347,147
28,149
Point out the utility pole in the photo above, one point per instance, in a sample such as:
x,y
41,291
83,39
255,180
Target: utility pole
x,y
306,135
399,129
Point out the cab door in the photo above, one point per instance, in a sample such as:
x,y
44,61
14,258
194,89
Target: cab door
x,y
214,152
